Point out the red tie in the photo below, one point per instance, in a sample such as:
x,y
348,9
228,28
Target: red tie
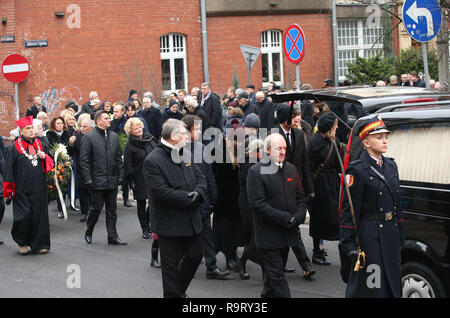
x,y
380,162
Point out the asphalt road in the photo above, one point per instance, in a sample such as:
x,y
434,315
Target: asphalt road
x,y
124,271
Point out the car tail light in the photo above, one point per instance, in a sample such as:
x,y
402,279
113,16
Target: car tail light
x,y
419,100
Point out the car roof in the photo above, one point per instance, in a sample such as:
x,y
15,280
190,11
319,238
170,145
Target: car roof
x,y
413,116
366,96
442,104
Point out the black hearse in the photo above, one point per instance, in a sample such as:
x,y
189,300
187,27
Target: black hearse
x,y
419,145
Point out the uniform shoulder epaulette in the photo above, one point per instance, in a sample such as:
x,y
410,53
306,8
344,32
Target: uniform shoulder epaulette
x,y
355,162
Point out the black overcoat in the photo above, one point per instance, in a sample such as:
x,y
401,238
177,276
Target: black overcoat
x,y
380,239
171,210
325,206
101,163
135,152
274,199
296,154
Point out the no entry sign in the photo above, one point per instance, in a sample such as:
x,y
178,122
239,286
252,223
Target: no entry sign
x,y
294,43
15,68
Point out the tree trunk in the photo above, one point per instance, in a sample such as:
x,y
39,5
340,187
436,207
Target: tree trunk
x,y
443,55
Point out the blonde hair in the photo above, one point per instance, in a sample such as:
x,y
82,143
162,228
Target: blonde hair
x,y
68,116
130,122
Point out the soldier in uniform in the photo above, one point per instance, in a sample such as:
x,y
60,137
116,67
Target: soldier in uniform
x,y
374,188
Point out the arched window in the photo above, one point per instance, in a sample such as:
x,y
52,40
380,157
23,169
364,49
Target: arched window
x,y
173,62
272,57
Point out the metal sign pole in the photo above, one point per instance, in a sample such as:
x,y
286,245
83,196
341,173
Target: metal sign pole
x,y
16,98
425,64
297,68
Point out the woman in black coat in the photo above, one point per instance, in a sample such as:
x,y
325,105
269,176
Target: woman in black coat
x,y
139,145
324,218
74,150
227,221
58,135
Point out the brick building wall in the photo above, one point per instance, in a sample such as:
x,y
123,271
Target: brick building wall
x,y
117,47
225,34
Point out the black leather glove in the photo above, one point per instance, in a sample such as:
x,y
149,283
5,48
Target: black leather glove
x,y
292,223
195,197
352,256
8,200
311,196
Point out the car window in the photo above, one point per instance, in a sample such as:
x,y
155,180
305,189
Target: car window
x,y
421,152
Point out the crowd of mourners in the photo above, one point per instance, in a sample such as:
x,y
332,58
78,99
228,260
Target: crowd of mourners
x,y
209,204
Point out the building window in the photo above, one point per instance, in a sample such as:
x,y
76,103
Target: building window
x,y
173,62
272,57
356,38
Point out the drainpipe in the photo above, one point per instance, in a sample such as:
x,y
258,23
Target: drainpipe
x,y
204,41
335,50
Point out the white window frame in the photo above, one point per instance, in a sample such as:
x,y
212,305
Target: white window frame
x,y
269,48
171,53
361,49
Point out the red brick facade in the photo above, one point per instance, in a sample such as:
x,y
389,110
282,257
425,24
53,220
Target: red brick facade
x,y
117,47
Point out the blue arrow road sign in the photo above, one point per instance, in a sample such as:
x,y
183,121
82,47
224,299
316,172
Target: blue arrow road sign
x,y
422,19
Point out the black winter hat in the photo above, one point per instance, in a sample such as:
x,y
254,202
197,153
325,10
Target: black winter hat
x,y
325,122
252,121
132,92
283,113
243,95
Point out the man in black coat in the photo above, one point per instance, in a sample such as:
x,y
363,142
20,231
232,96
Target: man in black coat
x,y
36,108
193,124
153,116
176,190
266,111
210,102
2,203
296,147
278,203
87,107
246,104
101,170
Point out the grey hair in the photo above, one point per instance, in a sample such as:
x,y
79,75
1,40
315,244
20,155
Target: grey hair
x,y
238,91
40,114
92,94
254,145
170,126
89,120
206,84
190,101
36,122
269,140
260,94
393,78
149,95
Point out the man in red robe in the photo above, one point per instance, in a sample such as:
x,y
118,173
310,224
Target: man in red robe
x,y
24,183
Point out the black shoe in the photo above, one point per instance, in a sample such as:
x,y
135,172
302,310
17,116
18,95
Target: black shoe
x,y
1,242
244,275
127,203
319,258
217,274
88,238
289,270
116,241
308,272
146,235
155,263
60,215
234,266
83,218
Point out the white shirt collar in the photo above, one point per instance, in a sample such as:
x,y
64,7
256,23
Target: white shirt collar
x,y
165,143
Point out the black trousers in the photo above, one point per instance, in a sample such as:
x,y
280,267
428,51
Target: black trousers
x,y
208,246
275,284
85,200
2,208
143,215
125,190
109,199
300,252
180,258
